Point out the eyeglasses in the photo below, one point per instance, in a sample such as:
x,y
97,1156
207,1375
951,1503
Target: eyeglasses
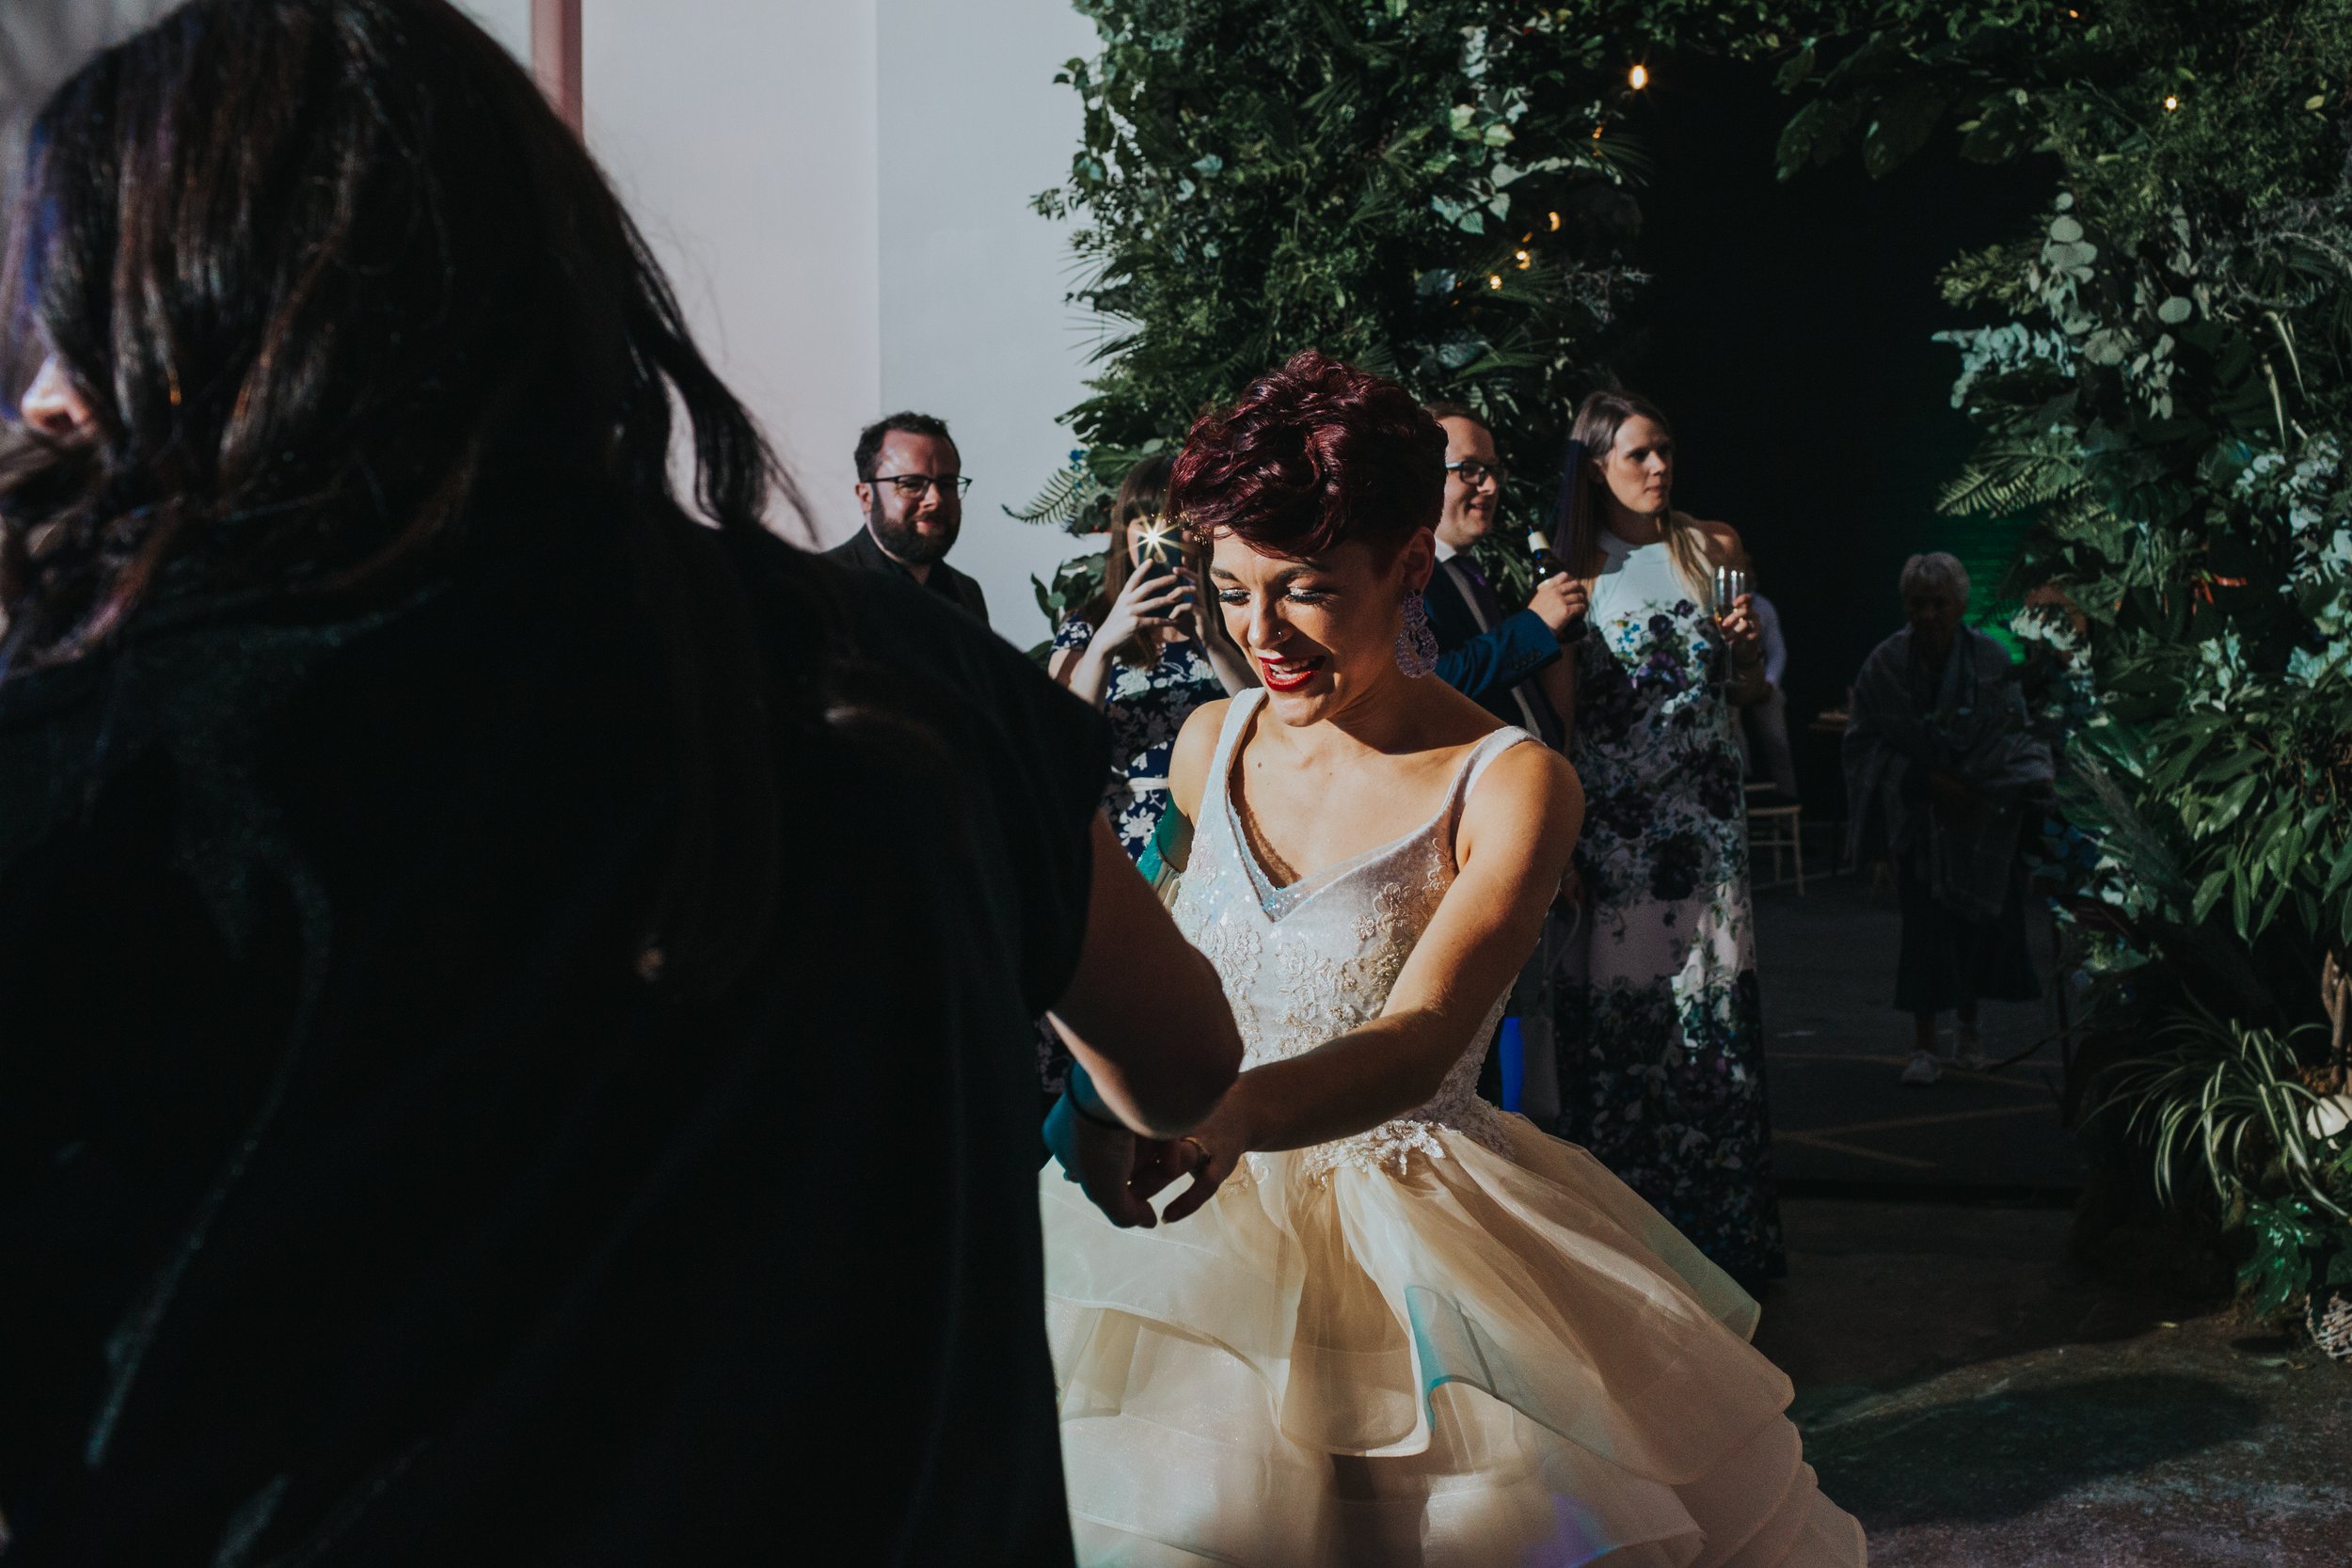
x,y
913,485
1473,473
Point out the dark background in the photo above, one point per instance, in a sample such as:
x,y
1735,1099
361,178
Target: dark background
x,y
1786,334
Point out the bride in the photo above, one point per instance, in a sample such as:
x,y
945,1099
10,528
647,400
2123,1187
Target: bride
x,y
1383,1322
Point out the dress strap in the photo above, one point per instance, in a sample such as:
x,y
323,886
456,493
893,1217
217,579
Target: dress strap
x,y
1237,714
1473,767
1485,753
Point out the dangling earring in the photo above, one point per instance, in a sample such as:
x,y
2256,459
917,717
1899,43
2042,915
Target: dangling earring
x,y
1416,644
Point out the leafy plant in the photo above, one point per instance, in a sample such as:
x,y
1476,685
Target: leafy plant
x,y
2162,370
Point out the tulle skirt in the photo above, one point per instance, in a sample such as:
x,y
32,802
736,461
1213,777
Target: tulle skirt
x,y
1485,1358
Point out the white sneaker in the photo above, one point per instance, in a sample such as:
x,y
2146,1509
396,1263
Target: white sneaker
x,y
1971,1057
1922,1069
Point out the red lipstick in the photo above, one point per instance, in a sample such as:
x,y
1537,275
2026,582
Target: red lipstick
x,y
1288,676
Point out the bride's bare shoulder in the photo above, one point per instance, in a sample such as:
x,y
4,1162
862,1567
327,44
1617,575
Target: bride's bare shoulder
x,y
1529,794
1195,748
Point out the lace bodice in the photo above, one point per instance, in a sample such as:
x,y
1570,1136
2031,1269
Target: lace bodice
x,y
1305,962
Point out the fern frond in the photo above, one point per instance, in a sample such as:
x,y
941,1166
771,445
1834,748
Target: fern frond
x,y
1058,504
2009,475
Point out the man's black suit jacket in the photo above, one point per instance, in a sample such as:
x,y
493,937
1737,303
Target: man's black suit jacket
x,y
860,550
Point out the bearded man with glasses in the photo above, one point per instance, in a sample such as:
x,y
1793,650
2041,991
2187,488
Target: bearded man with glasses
x,y
911,485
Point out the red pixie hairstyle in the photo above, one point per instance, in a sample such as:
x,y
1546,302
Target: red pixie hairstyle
x,y
1316,454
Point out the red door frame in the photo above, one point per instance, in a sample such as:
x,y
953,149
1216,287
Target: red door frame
x,y
555,55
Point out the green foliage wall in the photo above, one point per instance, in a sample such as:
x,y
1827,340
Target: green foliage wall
x,y
2159,367
1433,189
2161,374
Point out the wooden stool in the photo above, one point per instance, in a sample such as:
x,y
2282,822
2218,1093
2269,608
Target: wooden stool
x,y
1782,828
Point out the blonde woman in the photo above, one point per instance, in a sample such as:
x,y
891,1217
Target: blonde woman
x,y
1661,1038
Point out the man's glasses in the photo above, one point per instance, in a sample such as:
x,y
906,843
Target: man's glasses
x,y
1473,473
913,485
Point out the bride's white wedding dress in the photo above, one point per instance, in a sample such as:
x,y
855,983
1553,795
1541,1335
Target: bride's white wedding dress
x,y
1450,1340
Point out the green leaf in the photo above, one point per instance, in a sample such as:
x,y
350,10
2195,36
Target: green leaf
x,y
2233,799
1794,70
1815,133
2208,893
2340,872
1901,128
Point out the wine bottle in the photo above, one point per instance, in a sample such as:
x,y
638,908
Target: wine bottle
x,y
1549,565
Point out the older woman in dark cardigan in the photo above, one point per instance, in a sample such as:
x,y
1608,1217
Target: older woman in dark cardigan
x,y
1941,768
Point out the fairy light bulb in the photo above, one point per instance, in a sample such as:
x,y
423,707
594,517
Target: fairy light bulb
x,y
1494,281
2171,101
1524,260
1555,219
1638,77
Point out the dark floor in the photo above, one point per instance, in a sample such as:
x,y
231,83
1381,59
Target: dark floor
x,y
1836,1045
1976,1397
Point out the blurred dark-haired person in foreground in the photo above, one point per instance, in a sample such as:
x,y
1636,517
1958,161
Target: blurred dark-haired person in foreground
x,y
1385,1323
487,1075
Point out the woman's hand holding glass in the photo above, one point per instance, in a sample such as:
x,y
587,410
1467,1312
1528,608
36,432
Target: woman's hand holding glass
x,y
1742,631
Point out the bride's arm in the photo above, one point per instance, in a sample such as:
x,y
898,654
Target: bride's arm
x,y
1518,830
1188,777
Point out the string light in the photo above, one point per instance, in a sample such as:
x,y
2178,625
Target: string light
x,y
1639,77
1556,220
1524,260
1494,281
2170,102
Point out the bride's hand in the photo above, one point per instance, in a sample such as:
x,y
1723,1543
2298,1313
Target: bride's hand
x,y
1207,1154
1104,1162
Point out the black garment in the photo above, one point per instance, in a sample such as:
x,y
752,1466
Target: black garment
x,y
1491,668
359,1204
860,550
1947,960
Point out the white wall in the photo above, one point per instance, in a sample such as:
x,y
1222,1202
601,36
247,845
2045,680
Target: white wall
x,y
846,247
974,328
742,135
507,21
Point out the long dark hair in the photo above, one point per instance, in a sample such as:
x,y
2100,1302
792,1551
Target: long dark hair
x,y
338,287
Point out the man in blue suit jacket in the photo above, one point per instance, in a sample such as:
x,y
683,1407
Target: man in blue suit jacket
x,y
1506,663
1511,665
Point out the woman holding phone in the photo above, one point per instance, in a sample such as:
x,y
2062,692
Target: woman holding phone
x,y
1661,1035
1141,651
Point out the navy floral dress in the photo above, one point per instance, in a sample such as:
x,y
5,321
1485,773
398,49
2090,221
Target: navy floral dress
x,y
1146,707
1660,1029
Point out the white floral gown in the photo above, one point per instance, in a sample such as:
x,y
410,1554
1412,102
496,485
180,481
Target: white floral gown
x,y
1451,1340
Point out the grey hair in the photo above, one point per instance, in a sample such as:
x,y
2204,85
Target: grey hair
x,y
1935,573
